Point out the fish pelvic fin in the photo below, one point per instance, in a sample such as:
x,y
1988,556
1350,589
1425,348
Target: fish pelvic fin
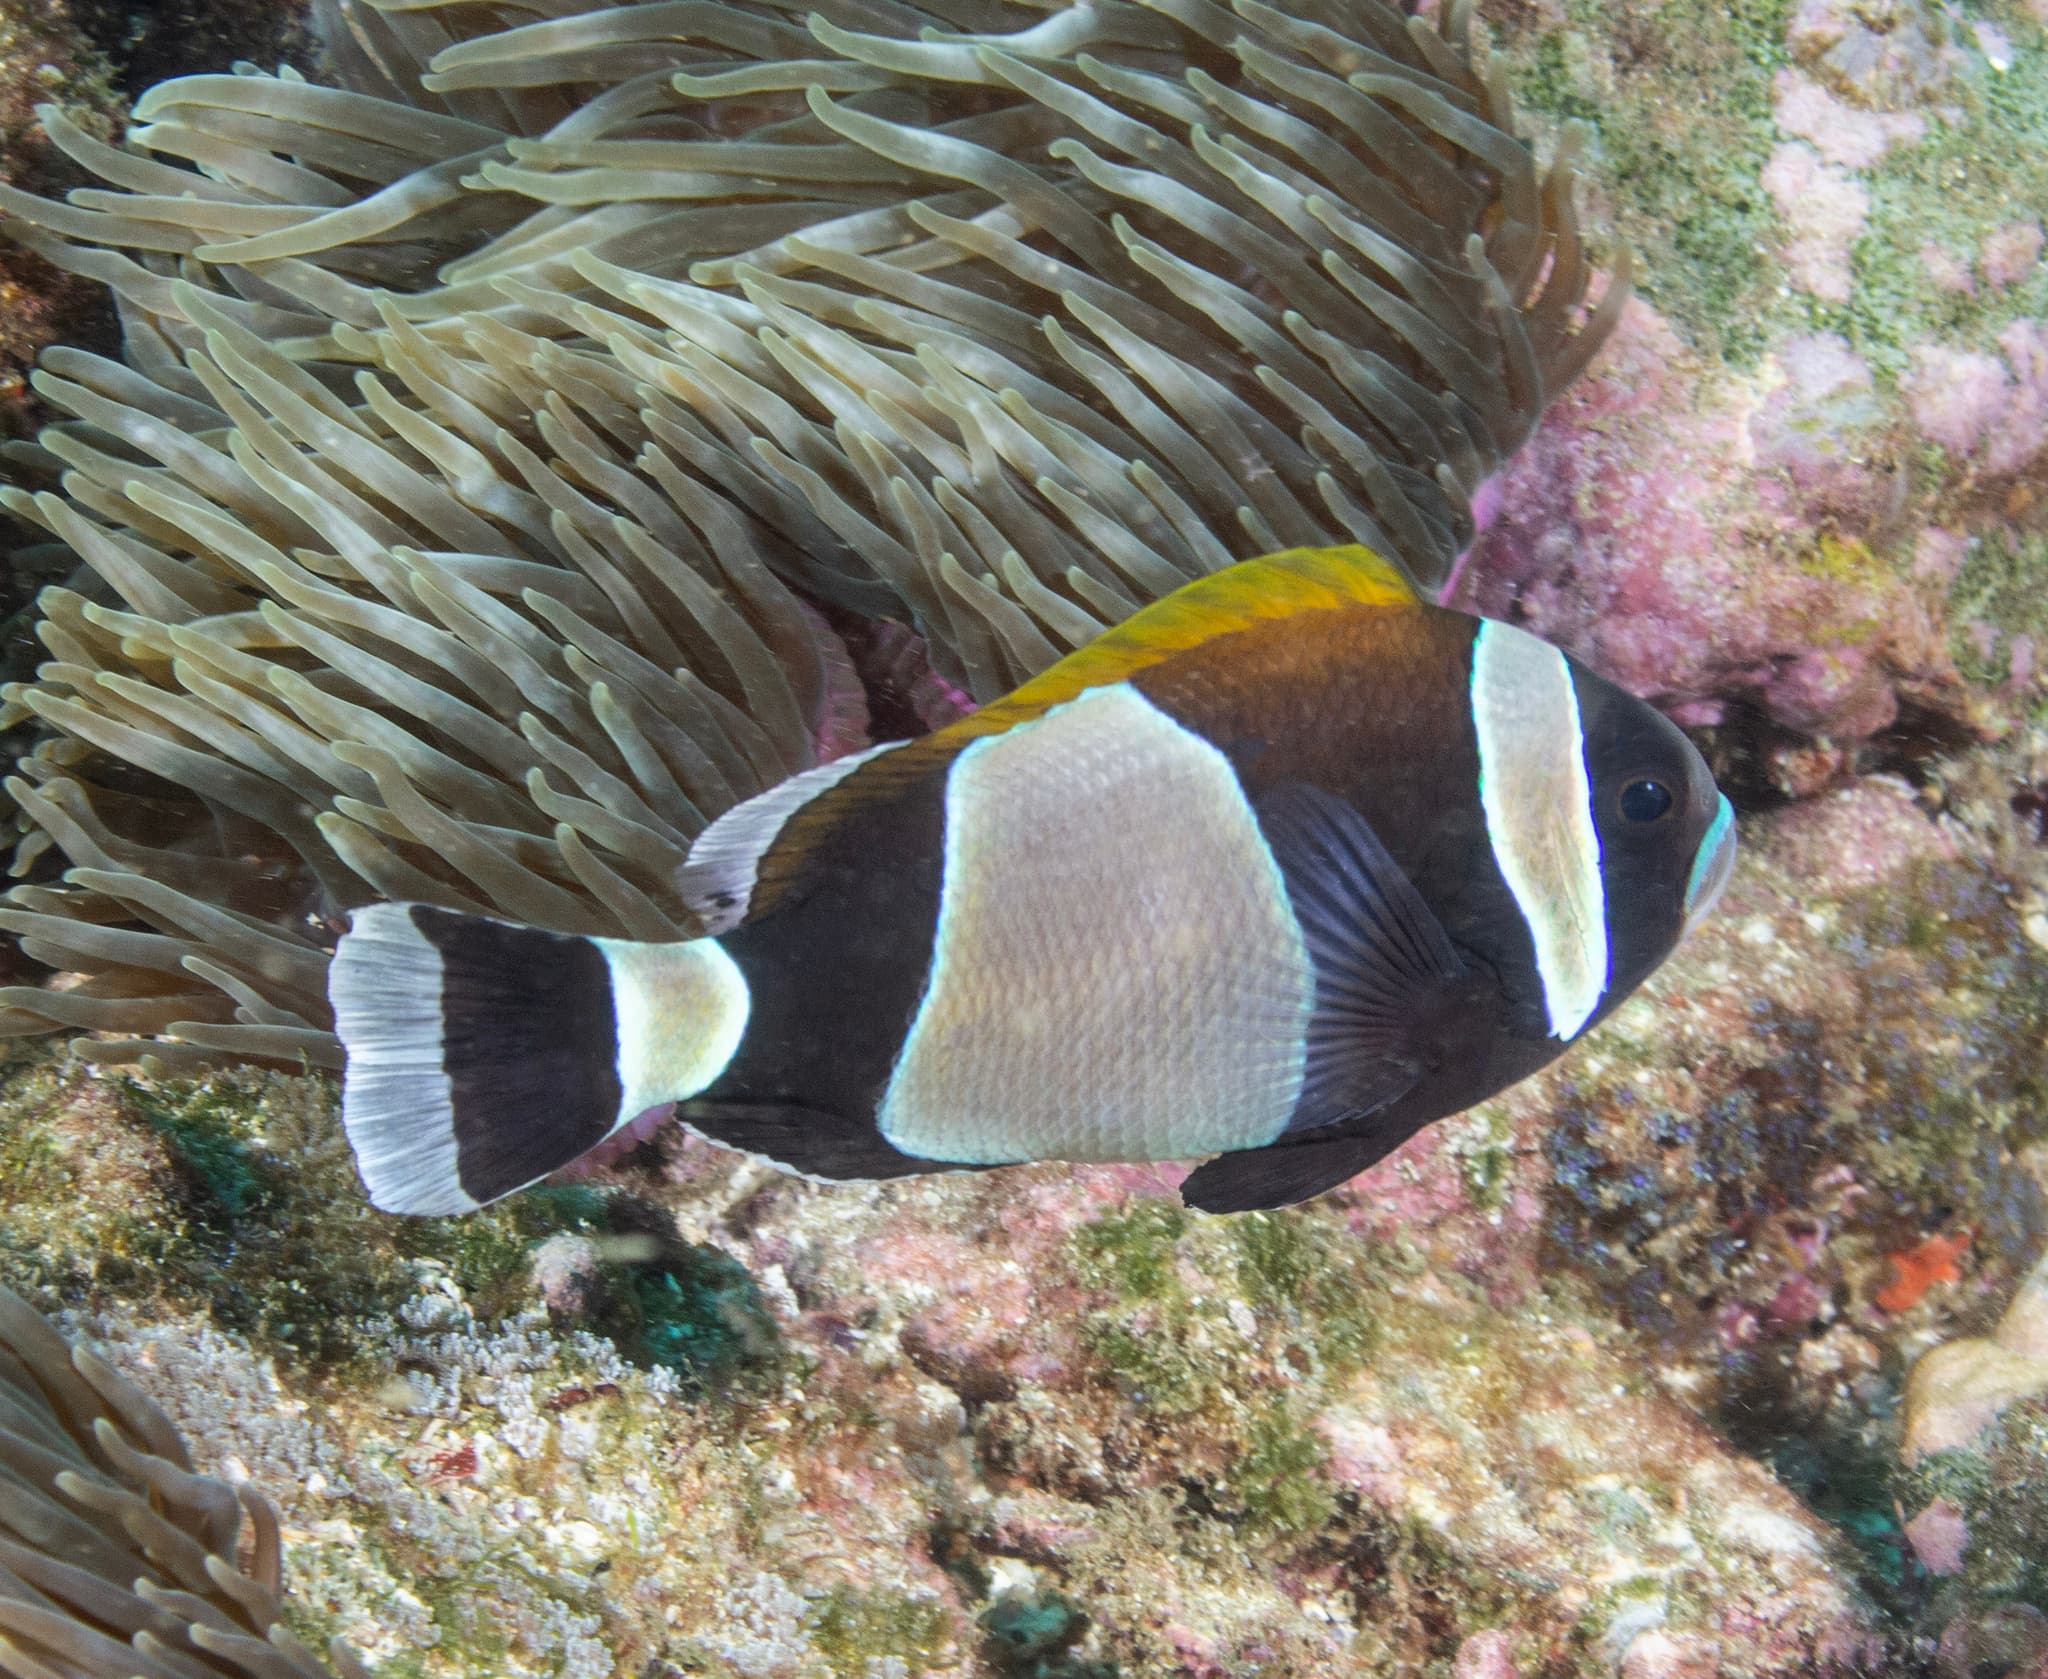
x,y
483,1056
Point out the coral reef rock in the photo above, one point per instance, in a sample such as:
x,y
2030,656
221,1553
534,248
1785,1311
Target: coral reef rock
x,y
1685,1358
1597,1378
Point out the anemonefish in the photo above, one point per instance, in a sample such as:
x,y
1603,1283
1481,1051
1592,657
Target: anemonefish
x,y
1279,870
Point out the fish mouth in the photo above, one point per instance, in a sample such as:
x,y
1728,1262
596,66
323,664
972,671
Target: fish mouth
x,y
1712,864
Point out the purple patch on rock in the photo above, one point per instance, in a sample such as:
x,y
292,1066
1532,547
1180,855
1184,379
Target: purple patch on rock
x,y
1696,537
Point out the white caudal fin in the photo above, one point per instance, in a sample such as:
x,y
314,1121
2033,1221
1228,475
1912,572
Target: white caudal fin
x,y
483,1056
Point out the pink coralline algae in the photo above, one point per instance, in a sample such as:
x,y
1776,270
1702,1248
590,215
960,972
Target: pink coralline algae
x,y
2010,1639
1658,1655
1843,108
1994,43
1947,271
1861,836
1700,539
2006,256
1956,394
1938,555
1825,207
1886,53
2010,252
1990,410
1939,1536
1486,1655
1815,430
1840,132
1799,1302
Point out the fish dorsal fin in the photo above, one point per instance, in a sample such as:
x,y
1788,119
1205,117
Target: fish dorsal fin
x,y
742,861
1252,591
721,879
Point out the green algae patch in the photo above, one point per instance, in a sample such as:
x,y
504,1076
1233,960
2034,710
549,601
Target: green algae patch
x,y
1841,559
491,1253
855,1630
236,1193
87,1194
1303,1271
1684,174
1998,1485
1132,1253
1482,1141
1279,1257
1143,1340
1962,1475
1154,1370
2000,593
1279,1476
1224,1334
233,1193
698,1312
281,1239
1982,162
1194,1304
207,1132
1032,1636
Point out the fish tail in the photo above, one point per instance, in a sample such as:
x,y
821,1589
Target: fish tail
x,y
483,1056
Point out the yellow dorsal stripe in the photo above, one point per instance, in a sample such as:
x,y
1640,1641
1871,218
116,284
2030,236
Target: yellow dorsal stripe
x,y
1272,586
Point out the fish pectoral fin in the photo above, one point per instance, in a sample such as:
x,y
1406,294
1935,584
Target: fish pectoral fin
x,y
1282,1173
1386,971
806,1141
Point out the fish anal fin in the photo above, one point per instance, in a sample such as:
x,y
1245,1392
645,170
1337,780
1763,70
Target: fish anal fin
x,y
1282,1173
805,1141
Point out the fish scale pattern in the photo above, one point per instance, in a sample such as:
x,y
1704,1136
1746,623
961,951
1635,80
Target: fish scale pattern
x,y
1158,902
498,434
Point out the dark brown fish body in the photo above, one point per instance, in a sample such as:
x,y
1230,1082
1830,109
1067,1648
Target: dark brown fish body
x,y
1283,869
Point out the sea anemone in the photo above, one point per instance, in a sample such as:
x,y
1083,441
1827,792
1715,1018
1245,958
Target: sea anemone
x,y
584,418
117,1560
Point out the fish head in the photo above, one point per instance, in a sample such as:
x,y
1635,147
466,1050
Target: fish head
x,y
1666,831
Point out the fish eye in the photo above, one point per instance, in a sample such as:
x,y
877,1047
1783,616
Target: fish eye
x,y
1645,800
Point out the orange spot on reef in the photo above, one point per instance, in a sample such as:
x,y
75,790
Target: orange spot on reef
x,y
1920,1267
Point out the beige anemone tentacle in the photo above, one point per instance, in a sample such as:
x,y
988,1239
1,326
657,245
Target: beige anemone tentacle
x,y
116,1558
501,433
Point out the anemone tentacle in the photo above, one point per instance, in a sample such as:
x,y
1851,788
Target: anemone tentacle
x,y
116,1557
502,434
